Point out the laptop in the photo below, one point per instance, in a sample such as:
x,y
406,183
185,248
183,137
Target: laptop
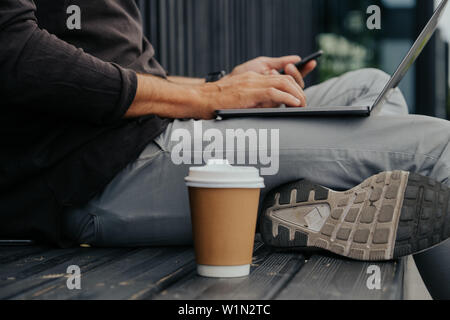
x,y
349,111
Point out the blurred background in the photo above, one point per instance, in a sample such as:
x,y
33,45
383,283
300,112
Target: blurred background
x,y
195,37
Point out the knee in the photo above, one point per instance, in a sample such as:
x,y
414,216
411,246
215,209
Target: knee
x,y
373,75
374,81
370,78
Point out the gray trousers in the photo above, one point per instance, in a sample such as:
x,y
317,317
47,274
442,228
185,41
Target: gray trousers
x,y
147,203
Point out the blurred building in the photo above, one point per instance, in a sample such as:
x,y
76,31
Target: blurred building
x,y
195,37
426,86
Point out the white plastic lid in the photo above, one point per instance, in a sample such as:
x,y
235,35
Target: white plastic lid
x,y
220,174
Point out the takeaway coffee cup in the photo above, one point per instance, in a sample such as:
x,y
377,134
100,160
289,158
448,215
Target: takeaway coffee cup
x,y
224,207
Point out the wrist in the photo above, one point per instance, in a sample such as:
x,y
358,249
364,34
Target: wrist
x,y
178,101
170,100
206,95
186,81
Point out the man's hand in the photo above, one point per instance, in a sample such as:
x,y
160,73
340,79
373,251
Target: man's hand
x,y
255,84
270,66
252,90
247,90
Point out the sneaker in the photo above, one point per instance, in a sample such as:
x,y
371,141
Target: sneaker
x,y
390,215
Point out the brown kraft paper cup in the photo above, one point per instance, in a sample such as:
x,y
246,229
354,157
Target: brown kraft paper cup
x,y
224,209
224,224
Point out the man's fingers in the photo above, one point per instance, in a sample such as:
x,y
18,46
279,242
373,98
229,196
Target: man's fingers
x,y
293,71
308,68
280,63
277,97
272,90
287,84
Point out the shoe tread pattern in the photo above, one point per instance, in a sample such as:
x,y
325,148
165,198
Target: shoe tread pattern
x,y
361,223
282,196
390,215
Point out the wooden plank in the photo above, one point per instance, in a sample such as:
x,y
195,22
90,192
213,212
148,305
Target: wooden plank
x,y
169,273
10,254
334,278
138,275
33,264
19,284
270,273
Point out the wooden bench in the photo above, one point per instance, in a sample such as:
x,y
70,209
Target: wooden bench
x,y
34,272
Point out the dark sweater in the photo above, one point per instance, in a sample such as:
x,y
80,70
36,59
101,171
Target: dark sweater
x,y
63,95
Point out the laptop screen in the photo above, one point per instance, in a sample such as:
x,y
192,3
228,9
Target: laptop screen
x,y
413,53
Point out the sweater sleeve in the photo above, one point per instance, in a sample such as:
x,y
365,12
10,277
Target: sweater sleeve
x,y
41,73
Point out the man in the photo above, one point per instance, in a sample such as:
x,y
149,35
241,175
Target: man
x,y
86,140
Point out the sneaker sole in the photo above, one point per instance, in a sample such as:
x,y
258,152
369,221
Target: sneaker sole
x,y
390,215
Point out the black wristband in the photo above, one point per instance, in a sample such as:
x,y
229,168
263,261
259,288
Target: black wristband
x,y
215,76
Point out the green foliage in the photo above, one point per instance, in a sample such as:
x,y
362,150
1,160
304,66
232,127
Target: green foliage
x,y
341,55
347,42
